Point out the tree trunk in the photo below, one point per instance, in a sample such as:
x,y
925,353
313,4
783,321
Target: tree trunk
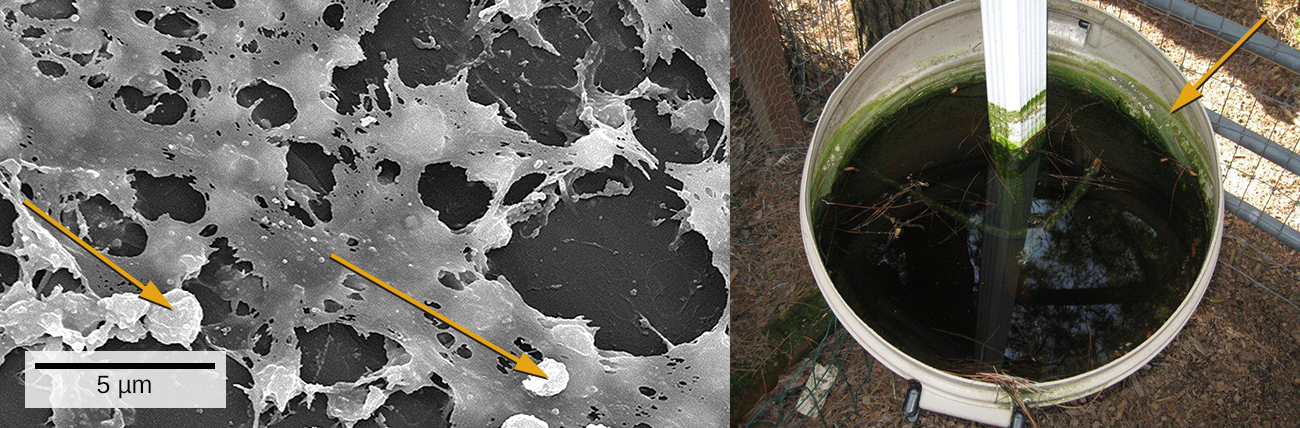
x,y
876,18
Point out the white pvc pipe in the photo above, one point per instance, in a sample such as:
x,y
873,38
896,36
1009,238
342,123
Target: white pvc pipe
x,y
1015,66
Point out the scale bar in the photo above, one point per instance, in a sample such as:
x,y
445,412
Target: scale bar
x,y
125,366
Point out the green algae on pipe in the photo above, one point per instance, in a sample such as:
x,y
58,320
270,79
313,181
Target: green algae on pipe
x,y
1031,118
1015,62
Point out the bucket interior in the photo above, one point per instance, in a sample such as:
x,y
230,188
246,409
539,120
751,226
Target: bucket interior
x,y
1118,232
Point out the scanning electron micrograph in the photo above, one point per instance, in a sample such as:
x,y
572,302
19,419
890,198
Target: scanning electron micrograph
x,y
550,175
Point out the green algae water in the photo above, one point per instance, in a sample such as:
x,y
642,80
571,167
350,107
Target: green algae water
x,y
1115,236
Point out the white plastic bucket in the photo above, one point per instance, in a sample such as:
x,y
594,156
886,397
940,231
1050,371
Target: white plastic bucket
x,y
930,53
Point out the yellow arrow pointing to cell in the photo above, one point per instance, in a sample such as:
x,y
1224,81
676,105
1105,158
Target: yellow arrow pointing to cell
x,y
522,362
148,292
1192,92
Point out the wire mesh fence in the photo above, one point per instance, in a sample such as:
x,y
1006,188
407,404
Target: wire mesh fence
x,y
818,44
825,372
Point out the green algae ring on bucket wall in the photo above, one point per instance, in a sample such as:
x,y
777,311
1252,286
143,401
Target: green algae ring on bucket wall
x,y
1122,233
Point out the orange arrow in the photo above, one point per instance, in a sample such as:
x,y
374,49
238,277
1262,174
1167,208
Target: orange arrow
x,y
1192,92
148,292
522,362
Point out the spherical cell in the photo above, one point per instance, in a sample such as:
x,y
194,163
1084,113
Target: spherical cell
x,y
559,378
524,421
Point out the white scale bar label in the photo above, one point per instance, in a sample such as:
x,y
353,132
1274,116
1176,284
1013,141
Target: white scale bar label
x,y
125,379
